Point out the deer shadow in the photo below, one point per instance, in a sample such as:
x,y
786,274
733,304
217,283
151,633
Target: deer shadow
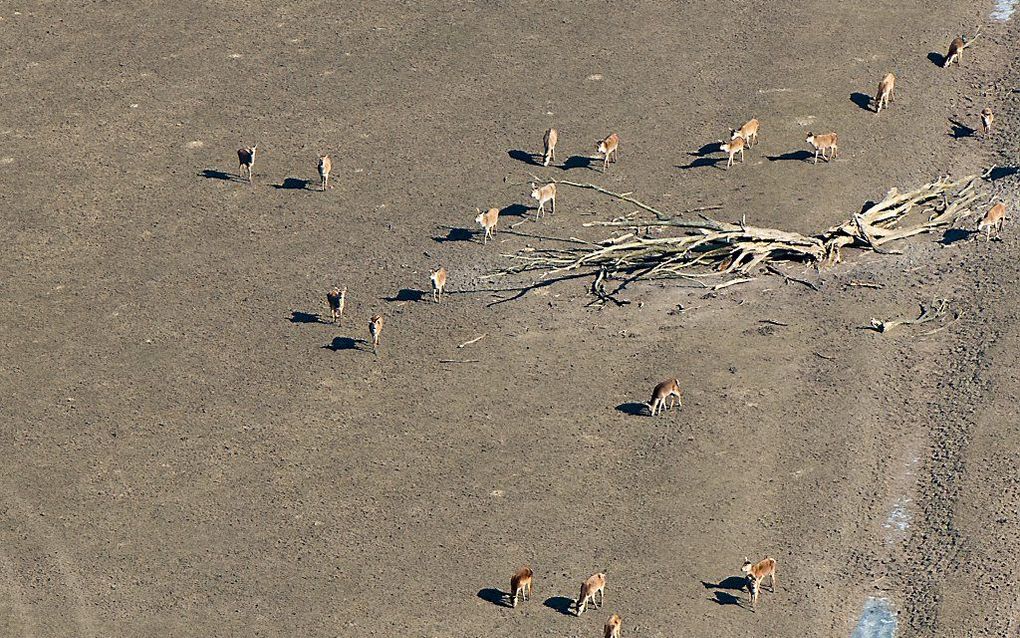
x,y
633,408
494,596
456,234
526,157
293,183
342,343
793,156
724,598
730,582
407,294
1000,172
705,161
214,174
960,130
937,58
577,161
520,210
862,100
953,235
561,604
707,149
296,316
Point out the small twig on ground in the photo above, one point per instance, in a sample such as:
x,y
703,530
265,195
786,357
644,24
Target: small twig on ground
x,y
475,340
732,282
824,356
773,322
934,312
788,278
865,284
459,361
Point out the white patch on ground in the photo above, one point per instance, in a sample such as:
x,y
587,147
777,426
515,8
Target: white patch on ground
x,y
196,144
6,160
764,91
595,77
898,521
878,620
1003,10
234,56
804,121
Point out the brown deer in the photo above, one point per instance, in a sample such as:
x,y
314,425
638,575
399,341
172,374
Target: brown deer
x,y
993,219
734,146
756,573
823,143
520,584
987,119
549,142
663,396
337,299
246,160
607,147
375,326
885,91
612,629
487,221
748,132
544,195
596,584
956,48
325,166
438,278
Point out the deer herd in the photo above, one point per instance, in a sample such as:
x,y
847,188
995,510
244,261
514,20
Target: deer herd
x,y
666,394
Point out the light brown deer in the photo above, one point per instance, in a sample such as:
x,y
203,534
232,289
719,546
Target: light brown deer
x,y
822,143
596,584
337,299
734,146
544,195
663,396
246,159
608,147
549,142
987,119
956,48
885,91
375,326
325,166
993,219
748,132
487,221
612,629
756,573
520,584
438,278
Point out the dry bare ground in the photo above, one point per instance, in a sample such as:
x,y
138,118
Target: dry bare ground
x,y
188,449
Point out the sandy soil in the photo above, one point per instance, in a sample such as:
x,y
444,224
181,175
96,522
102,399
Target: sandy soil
x,y
188,450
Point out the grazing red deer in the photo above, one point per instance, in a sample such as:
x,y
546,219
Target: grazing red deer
x,y
246,159
987,119
956,48
823,143
375,326
612,629
663,394
438,278
549,142
734,146
520,584
748,132
543,195
885,91
325,166
487,221
608,146
596,584
337,299
993,219
756,573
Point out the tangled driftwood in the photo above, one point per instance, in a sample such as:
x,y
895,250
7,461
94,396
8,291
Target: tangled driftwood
x,y
710,247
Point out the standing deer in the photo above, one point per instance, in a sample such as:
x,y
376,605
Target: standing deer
x,y
734,146
375,326
438,278
885,91
246,160
487,221
596,584
663,396
748,132
756,573
987,119
543,195
549,142
325,166
993,219
607,147
520,584
823,143
337,299
612,629
956,48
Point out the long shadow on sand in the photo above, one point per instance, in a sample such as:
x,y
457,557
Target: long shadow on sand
x,y
793,156
960,130
293,183
407,294
633,408
532,159
561,604
705,161
296,316
494,596
937,58
214,174
343,343
862,100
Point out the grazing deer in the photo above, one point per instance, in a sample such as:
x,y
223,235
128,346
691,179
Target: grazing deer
x,y
663,396
823,143
487,221
375,325
987,119
734,146
549,142
596,584
956,48
246,159
607,147
325,166
543,195
337,299
748,132
520,584
612,629
885,91
993,219
438,278
756,573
